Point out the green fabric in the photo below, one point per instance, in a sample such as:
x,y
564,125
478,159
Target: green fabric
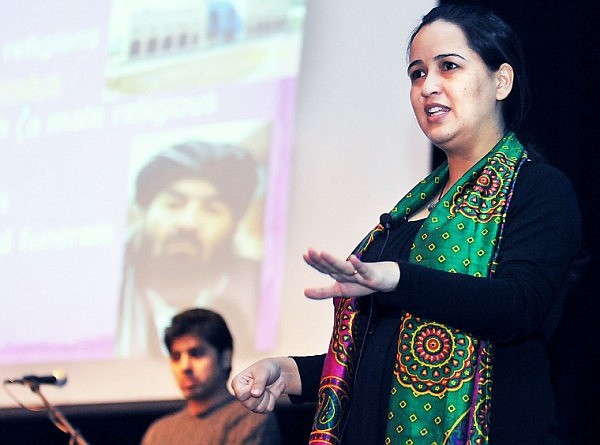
x,y
441,391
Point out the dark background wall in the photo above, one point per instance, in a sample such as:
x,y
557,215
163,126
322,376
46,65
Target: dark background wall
x,y
563,62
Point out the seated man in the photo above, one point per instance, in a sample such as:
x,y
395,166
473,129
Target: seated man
x,y
200,348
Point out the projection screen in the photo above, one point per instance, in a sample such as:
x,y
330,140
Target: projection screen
x,y
97,97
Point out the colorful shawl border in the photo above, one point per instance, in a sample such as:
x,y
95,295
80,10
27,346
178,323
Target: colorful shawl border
x,y
476,204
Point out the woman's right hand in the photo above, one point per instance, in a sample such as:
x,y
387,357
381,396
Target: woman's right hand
x,y
259,386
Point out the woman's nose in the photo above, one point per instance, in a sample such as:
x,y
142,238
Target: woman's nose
x,y
431,84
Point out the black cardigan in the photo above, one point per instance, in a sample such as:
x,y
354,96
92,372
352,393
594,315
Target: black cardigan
x,y
518,310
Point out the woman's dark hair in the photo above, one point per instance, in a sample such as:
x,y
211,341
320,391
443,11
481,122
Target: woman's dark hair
x,y
203,324
496,43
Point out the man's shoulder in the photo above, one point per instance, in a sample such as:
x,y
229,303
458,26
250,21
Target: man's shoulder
x,y
235,409
232,424
164,426
256,428
168,419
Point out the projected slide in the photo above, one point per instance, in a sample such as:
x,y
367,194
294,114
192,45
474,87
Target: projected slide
x,y
144,169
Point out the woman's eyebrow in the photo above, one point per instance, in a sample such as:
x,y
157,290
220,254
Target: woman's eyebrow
x,y
413,63
438,57
443,56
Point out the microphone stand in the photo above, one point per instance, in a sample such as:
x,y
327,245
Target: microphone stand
x,y
58,419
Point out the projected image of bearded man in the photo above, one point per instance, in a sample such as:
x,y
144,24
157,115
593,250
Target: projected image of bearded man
x,y
187,233
190,200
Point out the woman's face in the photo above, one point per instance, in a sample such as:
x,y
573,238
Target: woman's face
x,y
454,96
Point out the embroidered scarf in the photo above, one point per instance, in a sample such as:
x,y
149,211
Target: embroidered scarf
x,y
442,379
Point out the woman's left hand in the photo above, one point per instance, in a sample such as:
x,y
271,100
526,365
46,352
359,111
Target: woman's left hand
x,y
353,278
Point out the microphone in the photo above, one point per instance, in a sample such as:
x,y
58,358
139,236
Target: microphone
x,y
385,219
58,378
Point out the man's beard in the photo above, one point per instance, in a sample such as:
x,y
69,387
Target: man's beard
x,y
180,270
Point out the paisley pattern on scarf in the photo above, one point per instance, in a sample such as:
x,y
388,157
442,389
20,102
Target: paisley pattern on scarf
x,y
441,390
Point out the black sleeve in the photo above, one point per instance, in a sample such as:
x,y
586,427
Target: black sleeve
x,y
541,237
310,368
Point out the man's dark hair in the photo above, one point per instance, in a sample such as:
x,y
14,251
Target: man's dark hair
x,y
203,324
231,169
496,43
